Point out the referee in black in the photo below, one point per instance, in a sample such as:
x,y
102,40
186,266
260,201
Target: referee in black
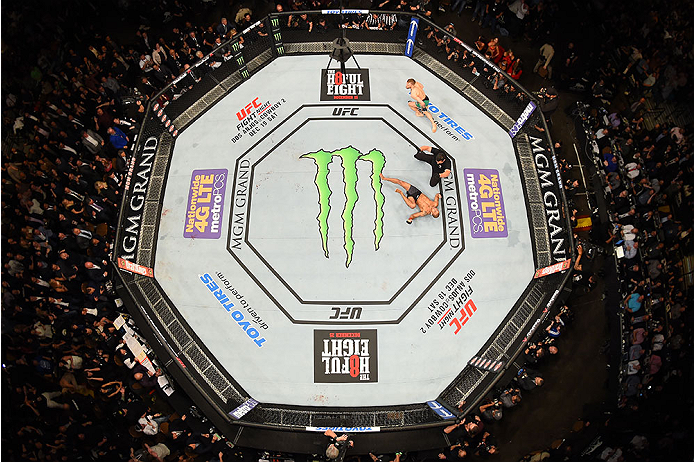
x,y
439,161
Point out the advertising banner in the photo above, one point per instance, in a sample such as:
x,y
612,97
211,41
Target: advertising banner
x,y
243,409
525,115
340,430
551,189
205,204
485,203
335,11
556,268
411,36
345,356
135,268
136,184
440,410
352,85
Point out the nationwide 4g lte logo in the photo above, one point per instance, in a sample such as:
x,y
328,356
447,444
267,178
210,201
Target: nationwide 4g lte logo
x,y
205,204
349,157
353,84
345,356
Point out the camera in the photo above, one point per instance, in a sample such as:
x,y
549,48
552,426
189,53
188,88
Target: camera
x,y
541,94
545,94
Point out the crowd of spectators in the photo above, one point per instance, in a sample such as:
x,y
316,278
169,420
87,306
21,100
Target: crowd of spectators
x,y
648,177
75,389
652,59
647,172
470,435
72,385
656,57
79,382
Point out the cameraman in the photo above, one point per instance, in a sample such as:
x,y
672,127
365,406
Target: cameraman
x,y
510,397
337,449
492,411
549,102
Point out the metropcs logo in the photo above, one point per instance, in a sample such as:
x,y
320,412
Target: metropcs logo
x,y
205,204
525,115
486,203
349,157
353,84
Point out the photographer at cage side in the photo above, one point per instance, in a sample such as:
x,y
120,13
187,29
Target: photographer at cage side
x,y
491,411
337,449
549,102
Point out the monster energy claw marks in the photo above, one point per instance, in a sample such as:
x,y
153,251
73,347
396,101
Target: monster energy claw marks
x,y
349,157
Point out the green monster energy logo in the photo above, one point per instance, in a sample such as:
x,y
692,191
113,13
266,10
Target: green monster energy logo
x,y
349,157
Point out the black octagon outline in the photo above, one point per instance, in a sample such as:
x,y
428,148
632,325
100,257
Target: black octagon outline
x,y
350,302
333,302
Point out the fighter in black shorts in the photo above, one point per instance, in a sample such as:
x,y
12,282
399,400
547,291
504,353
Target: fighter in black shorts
x,y
416,198
413,193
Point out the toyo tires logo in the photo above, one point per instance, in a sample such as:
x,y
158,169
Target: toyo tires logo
x,y
349,157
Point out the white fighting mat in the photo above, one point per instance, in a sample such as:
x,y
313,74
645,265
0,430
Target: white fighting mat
x,y
328,297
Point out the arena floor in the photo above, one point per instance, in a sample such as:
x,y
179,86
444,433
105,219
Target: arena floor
x,y
293,262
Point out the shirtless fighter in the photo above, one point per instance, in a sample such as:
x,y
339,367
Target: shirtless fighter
x,y
415,198
421,101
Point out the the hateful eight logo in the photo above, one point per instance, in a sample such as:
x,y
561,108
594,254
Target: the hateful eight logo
x,y
353,85
345,356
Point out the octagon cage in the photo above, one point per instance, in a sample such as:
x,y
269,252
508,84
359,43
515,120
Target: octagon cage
x,y
187,97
